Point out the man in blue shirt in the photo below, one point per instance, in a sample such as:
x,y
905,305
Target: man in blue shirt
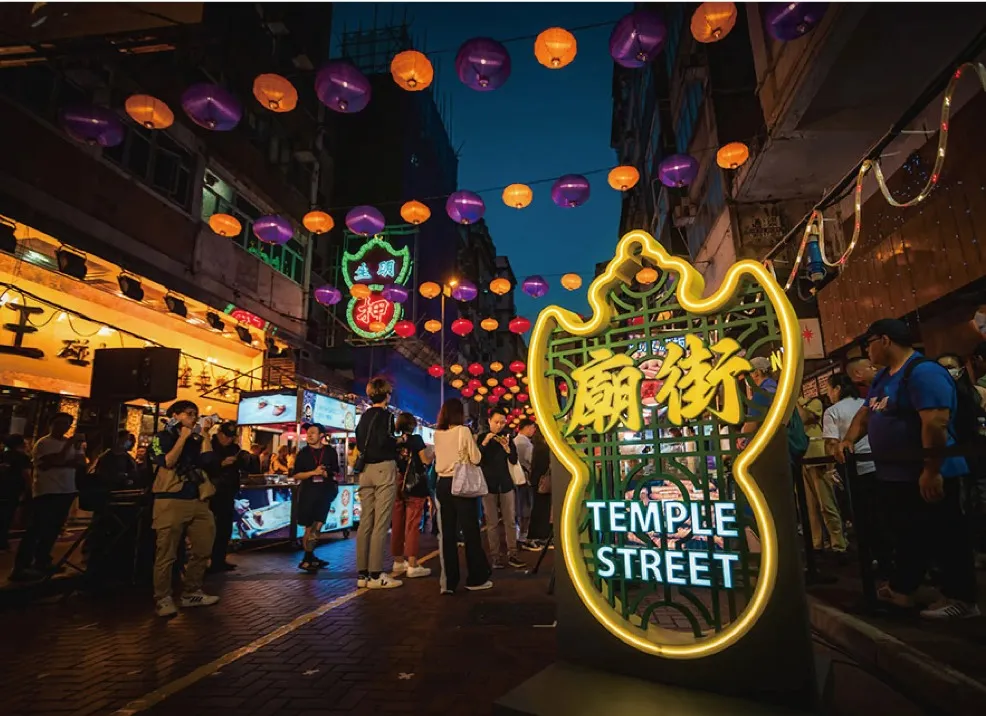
x,y
911,405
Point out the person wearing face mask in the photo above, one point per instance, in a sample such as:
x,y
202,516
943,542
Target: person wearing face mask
x,y
499,450
116,468
229,464
316,467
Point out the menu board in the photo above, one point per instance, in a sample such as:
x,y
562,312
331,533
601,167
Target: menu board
x,y
327,412
344,513
268,408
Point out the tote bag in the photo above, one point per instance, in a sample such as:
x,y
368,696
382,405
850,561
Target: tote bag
x,y
517,473
467,479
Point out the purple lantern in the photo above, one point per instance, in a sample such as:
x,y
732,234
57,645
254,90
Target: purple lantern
x,y
786,21
465,207
534,286
92,125
464,291
482,64
212,107
395,293
637,38
365,220
570,190
342,88
273,229
678,170
328,295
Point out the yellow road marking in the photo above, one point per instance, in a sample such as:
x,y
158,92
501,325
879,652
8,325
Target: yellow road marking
x,y
155,697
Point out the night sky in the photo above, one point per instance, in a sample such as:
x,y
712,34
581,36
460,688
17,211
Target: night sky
x,y
541,124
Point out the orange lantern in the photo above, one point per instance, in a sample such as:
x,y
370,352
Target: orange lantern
x,y
518,196
377,326
149,112
429,289
457,383
623,177
492,381
489,324
455,368
496,366
499,286
514,388
555,48
478,398
276,93
433,326
359,290
712,21
414,212
482,390
412,70
225,225
571,281
318,222
524,380
732,155
647,275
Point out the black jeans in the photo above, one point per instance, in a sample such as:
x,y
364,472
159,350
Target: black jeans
x,y
48,515
221,505
923,533
540,517
457,514
8,508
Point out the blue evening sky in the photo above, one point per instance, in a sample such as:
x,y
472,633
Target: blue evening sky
x,y
541,124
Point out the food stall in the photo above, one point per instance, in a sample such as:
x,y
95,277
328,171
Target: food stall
x,y
265,503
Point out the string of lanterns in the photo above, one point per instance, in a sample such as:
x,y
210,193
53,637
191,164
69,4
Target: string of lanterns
x,y
812,250
493,389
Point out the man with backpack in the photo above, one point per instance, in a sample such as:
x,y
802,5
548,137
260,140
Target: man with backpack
x,y
911,408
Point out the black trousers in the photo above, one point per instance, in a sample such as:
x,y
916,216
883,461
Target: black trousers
x,y
8,508
923,533
455,515
48,515
540,517
221,505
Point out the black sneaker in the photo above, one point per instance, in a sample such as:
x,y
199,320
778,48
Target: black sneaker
x,y
308,566
513,561
322,563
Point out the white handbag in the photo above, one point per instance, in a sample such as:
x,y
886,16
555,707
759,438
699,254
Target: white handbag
x,y
517,473
467,479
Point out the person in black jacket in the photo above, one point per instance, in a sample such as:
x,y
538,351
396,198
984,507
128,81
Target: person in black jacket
x,y
229,463
499,451
540,477
316,466
412,494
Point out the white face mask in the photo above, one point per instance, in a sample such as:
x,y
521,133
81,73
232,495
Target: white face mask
x,y
955,372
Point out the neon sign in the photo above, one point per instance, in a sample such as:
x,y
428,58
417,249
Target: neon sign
x,y
376,264
669,540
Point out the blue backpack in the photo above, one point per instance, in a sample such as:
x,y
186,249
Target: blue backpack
x,y
797,438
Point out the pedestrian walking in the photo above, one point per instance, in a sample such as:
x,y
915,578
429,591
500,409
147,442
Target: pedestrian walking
x,y
316,467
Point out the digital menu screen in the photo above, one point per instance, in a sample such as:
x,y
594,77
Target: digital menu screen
x,y
344,512
268,408
262,513
328,412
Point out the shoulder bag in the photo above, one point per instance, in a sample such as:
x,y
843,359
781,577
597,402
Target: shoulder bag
x,y
517,473
467,479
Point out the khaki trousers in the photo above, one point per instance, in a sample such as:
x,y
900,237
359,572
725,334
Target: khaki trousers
x,y
377,489
172,519
823,508
500,513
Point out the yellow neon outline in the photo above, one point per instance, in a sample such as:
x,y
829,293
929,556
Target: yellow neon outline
x,y
691,285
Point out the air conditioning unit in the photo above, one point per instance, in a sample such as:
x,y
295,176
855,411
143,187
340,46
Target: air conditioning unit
x,y
684,213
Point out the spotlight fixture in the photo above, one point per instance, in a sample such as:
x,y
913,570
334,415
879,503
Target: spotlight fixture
x,y
130,287
8,242
71,263
244,335
176,305
215,321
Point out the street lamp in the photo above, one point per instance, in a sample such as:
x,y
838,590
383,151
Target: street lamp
x,y
446,291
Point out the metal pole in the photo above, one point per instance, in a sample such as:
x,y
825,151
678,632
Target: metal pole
x,y
441,387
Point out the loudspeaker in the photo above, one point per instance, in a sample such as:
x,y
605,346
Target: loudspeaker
x,y
122,374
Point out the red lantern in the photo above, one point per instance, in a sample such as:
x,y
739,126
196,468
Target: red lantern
x,y
405,329
467,392
519,325
475,369
518,366
509,381
436,371
521,397
474,384
499,390
492,399
462,326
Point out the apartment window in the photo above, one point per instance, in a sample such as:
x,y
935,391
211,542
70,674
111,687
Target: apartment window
x,y
156,160
218,197
688,114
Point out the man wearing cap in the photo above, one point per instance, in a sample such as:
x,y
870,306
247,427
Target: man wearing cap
x,y
912,404
229,464
316,467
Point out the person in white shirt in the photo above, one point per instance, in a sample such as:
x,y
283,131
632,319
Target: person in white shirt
x,y
454,442
56,459
524,494
846,402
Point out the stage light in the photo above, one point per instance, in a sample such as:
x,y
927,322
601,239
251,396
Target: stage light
x,y
244,335
176,305
130,287
215,321
71,263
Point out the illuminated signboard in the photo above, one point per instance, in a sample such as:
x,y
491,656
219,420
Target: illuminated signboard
x,y
376,264
669,540
242,316
268,408
328,412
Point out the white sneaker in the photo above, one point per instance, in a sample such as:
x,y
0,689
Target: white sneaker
x,y
384,581
480,587
165,607
361,582
198,599
399,568
951,609
419,571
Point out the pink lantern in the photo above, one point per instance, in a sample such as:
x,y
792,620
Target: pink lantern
x,y
342,88
462,326
328,295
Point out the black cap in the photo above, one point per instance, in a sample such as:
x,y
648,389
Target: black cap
x,y
897,331
228,429
305,426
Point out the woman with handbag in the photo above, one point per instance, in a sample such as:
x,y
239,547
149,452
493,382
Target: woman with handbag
x,y
460,483
409,504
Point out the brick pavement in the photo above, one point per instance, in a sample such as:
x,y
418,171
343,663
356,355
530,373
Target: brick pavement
x,y
404,651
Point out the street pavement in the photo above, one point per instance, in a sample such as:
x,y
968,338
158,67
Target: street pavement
x,y
282,642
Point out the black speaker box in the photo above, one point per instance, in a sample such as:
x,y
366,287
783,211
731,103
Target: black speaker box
x,y
122,374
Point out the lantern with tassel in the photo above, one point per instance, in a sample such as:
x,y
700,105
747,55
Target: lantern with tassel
x,y
412,70
276,93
